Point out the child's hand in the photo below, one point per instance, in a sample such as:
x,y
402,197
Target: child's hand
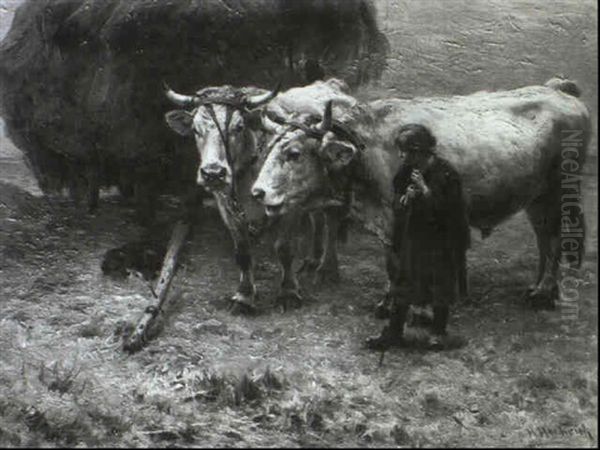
x,y
417,178
411,192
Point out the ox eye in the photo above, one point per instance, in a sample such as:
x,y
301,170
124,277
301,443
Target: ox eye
x,y
292,154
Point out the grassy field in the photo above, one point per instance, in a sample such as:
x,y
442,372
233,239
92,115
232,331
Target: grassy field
x,y
522,378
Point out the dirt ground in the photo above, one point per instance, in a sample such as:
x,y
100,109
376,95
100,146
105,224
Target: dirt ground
x,y
302,378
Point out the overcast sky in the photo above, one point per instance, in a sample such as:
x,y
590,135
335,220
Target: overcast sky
x,y
7,11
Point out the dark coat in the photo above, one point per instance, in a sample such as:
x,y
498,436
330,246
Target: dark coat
x,y
430,235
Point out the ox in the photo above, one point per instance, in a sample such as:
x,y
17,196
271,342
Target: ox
x,y
225,123
507,147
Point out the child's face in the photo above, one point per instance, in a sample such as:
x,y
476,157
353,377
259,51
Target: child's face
x,y
414,157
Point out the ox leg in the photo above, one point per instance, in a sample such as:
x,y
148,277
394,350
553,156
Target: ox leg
x,y
543,243
289,294
317,225
576,261
243,301
544,216
328,269
76,183
84,183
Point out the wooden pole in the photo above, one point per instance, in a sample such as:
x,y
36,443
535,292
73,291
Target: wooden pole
x,y
149,323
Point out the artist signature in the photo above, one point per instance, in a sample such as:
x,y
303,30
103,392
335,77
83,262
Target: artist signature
x,y
550,432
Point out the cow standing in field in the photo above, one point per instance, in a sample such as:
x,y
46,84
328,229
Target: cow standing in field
x,y
226,126
506,147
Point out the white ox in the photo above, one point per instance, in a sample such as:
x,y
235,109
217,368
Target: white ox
x,y
225,124
517,149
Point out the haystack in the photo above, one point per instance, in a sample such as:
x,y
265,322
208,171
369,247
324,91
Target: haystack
x,y
81,81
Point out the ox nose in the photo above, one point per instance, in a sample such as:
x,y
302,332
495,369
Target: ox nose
x,y
258,194
213,173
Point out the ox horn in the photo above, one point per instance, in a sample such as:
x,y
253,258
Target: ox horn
x,y
269,124
326,123
179,99
258,100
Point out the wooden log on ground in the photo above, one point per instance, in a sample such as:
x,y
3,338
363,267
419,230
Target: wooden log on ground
x,y
151,320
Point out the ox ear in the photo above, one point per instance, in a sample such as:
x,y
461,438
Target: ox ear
x,y
180,121
335,152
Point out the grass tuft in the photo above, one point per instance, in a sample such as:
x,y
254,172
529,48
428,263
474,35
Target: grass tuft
x,y
90,330
538,381
230,390
401,435
59,379
246,389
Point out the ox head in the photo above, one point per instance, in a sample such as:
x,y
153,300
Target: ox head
x,y
221,120
303,160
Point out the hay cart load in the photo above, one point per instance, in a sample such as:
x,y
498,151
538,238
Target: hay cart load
x,y
81,81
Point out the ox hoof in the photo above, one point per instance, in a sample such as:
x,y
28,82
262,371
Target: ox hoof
x,y
309,265
384,341
289,298
241,304
442,342
326,275
436,342
542,298
241,309
421,317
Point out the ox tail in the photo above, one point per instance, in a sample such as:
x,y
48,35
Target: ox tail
x,y
564,85
574,146
558,214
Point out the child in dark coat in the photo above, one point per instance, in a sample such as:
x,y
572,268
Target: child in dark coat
x,y
430,236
